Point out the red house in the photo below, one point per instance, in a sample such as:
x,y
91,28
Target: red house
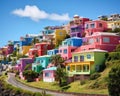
x,y
95,26
32,52
100,40
43,47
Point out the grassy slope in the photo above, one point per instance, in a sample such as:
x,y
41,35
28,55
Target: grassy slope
x,y
98,86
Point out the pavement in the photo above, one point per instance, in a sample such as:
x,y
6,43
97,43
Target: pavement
x,y
12,80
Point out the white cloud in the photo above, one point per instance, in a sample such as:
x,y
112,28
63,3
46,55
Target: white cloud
x,y
36,14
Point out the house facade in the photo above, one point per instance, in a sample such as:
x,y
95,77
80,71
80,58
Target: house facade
x,y
113,24
86,62
95,26
100,40
52,52
41,63
32,52
59,35
68,46
49,74
43,47
25,49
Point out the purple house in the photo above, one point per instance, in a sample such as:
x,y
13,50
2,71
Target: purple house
x,y
23,62
76,31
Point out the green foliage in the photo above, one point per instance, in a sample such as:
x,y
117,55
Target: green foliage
x,y
30,75
117,49
113,56
61,76
57,60
28,67
94,76
116,30
82,82
114,81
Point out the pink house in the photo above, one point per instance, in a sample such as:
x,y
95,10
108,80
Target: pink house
x,y
95,26
49,74
100,40
66,51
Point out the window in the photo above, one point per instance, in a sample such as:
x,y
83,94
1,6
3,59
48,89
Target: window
x,y
100,24
47,74
106,39
68,68
73,68
88,56
81,58
75,58
92,25
91,41
38,61
60,33
65,51
60,51
86,26
85,68
97,39
78,68
41,61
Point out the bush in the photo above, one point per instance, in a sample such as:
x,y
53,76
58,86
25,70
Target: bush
x,y
82,82
114,81
30,75
94,76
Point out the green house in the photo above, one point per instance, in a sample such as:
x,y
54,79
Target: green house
x,y
41,63
86,62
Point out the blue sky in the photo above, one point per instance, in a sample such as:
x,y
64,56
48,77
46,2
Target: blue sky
x,y
20,17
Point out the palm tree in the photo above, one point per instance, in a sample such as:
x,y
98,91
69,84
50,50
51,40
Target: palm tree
x,y
61,75
57,60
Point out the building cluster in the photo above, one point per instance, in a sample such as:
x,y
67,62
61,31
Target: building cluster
x,y
84,51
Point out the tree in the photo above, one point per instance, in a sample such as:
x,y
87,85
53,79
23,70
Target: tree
x,y
114,81
61,75
57,60
117,49
30,75
35,40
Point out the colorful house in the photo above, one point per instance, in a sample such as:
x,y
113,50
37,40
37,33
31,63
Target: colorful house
x,y
113,24
68,46
76,31
25,49
43,47
49,74
41,63
25,41
95,26
86,62
23,62
100,40
52,52
8,50
32,52
59,36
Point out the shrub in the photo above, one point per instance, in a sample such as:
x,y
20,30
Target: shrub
x,y
94,76
82,82
30,75
114,81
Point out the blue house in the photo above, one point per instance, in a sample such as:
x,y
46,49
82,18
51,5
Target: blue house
x,y
52,52
73,41
26,41
41,63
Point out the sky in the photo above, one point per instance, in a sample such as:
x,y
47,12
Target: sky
x,y
21,17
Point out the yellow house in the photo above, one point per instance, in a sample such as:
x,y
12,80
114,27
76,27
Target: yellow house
x,y
113,24
59,36
25,49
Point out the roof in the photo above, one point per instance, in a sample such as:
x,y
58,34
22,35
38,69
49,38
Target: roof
x,y
73,38
44,56
51,68
33,48
93,50
103,33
